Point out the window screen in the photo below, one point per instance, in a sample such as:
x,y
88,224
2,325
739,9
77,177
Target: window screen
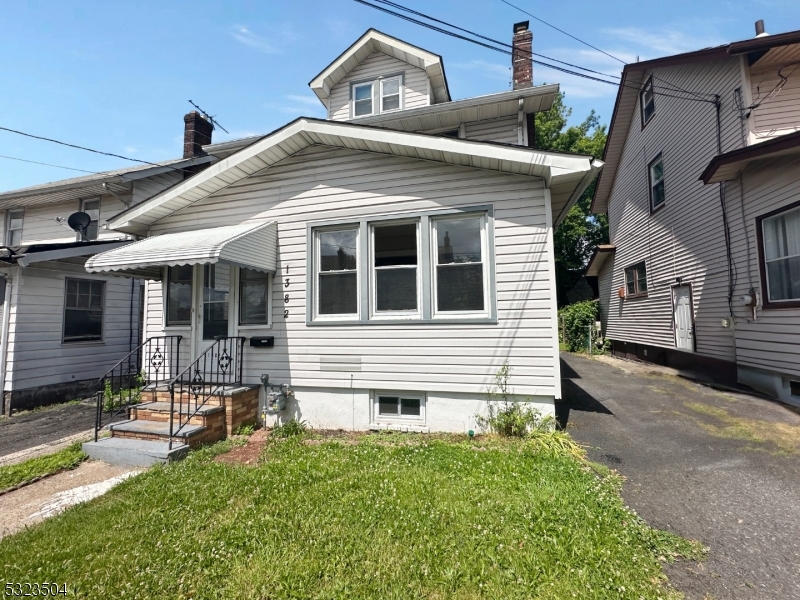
x,y
459,265
253,297
362,99
395,263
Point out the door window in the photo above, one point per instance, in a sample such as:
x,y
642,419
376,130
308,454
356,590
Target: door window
x,y
216,291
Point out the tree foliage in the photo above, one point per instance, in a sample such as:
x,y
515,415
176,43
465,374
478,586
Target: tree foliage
x,y
580,232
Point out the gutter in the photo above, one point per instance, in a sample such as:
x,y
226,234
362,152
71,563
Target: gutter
x,y
595,167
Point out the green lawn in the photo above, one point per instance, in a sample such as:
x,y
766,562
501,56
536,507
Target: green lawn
x,y
389,517
14,475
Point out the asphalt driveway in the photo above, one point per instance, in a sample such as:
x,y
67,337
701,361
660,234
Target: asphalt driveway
x,y
44,426
723,468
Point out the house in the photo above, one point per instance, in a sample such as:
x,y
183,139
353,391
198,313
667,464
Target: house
x,y
374,269
701,187
63,328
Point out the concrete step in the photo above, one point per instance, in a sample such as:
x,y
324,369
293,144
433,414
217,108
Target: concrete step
x,y
134,453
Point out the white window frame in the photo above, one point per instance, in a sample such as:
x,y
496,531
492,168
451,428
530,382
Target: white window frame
x,y
9,231
652,184
765,261
317,260
84,209
648,87
373,301
485,258
398,419
104,289
377,94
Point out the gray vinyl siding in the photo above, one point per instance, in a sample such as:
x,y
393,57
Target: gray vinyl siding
x,y
685,238
497,130
780,112
772,341
40,225
36,354
149,187
323,184
415,83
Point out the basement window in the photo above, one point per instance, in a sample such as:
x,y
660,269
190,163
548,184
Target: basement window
x,y
636,280
647,98
399,407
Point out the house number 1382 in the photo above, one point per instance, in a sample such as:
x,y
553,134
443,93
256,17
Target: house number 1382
x,y
286,296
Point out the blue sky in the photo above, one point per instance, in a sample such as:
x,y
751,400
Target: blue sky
x,y
116,76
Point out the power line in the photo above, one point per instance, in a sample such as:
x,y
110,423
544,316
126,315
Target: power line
x,y
38,137
564,32
48,164
538,62
672,85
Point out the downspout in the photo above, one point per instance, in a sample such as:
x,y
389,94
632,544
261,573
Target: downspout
x,y
6,405
717,106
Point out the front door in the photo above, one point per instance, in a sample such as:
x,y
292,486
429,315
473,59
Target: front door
x,y
213,302
683,317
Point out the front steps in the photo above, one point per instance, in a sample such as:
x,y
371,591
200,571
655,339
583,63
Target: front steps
x,y
143,439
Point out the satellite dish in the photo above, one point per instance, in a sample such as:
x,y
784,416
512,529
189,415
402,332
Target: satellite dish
x,y
79,221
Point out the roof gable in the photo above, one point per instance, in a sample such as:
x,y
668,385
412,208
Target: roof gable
x,y
566,175
372,41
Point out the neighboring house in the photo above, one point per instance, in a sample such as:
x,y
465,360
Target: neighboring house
x,y
385,263
702,273
63,328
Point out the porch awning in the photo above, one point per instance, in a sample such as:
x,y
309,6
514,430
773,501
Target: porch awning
x,y
248,245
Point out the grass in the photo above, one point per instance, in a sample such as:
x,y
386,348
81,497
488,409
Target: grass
x,y
782,436
386,516
15,475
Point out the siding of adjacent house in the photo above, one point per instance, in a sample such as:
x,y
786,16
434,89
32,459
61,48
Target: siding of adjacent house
x,y
780,113
772,341
685,238
36,354
322,184
146,188
497,130
377,64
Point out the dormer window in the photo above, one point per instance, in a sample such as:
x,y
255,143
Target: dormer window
x,y
385,94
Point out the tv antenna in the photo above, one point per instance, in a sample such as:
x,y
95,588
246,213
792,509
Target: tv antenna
x,y
212,120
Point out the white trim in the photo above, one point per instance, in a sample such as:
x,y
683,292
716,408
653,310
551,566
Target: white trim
x,y
551,268
374,313
316,260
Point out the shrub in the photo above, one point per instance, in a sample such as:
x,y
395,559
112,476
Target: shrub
x,y
575,320
510,419
291,428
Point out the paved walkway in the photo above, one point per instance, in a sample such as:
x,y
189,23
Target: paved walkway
x,y
723,468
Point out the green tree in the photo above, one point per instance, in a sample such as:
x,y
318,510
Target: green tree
x,y
580,231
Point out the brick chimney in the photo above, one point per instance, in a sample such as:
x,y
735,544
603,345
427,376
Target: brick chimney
x,y
196,134
521,56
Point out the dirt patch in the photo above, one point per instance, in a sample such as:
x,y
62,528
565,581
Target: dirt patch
x,y
29,505
247,454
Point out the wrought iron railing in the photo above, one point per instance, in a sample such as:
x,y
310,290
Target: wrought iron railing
x,y
216,369
155,361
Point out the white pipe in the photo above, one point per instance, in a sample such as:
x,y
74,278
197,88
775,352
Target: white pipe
x,y
4,340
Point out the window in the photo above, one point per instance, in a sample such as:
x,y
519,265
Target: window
x,y
656,175
647,98
399,407
253,297
362,99
216,290
337,272
384,94
14,227
92,208
395,267
636,280
83,310
390,94
459,271
781,236
179,295
428,267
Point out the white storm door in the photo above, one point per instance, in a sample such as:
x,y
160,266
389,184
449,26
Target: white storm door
x,y
213,301
684,322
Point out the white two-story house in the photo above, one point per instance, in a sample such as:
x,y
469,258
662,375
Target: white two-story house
x,y
383,263
702,188
62,328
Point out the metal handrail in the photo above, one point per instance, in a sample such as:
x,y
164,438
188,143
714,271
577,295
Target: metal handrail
x,y
151,362
218,366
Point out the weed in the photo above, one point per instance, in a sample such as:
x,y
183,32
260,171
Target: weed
x,y
246,430
289,429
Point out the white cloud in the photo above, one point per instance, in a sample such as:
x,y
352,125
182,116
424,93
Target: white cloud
x,y
663,43
487,68
299,106
272,43
307,100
